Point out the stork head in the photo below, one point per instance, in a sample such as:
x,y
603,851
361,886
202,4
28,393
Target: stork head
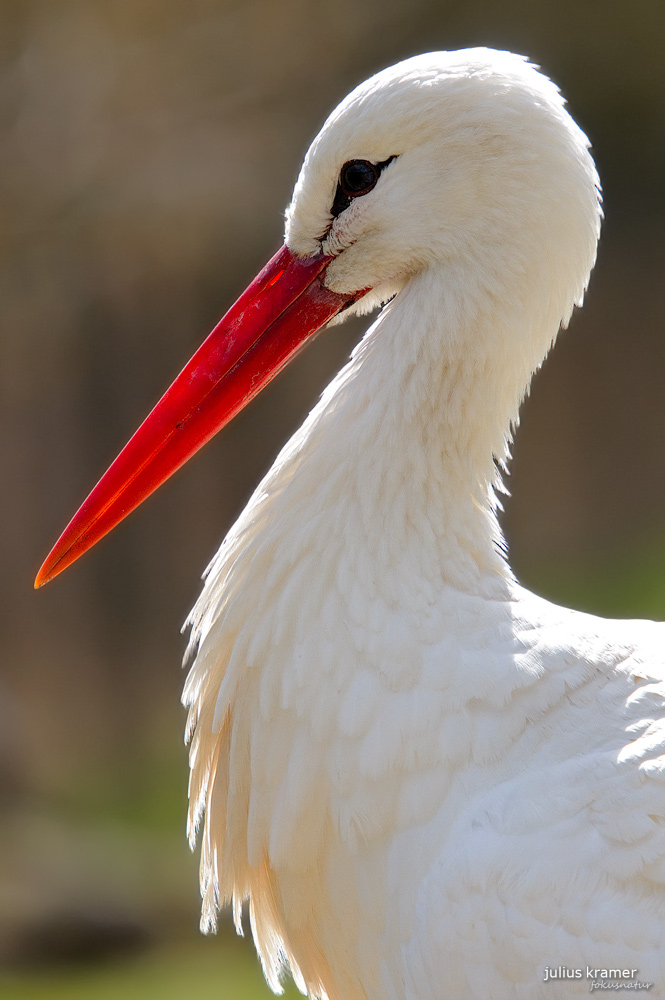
x,y
464,162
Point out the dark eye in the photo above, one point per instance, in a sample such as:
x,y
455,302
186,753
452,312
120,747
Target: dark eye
x,y
356,178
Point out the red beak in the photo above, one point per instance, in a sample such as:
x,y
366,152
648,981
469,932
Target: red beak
x,y
285,305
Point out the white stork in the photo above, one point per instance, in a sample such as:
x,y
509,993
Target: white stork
x,y
429,783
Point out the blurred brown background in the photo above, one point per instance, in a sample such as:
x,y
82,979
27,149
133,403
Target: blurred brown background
x,y
148,150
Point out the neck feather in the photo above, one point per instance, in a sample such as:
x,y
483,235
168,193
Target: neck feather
x,y
403,449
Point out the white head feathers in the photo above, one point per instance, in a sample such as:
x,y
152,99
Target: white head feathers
x,y
492,180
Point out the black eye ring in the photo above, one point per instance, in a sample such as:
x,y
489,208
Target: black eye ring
x,y
356,178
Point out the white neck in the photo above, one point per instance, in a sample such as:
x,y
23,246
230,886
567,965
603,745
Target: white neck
x,y
400,452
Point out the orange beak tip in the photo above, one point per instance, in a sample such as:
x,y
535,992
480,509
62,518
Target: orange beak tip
x,y
47,571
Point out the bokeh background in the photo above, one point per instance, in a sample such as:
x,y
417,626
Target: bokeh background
x,y
148,149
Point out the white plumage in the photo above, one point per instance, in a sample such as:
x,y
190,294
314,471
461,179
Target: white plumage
x,y
430,783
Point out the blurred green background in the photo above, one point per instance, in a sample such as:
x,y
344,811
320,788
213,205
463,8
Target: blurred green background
x,y
148,150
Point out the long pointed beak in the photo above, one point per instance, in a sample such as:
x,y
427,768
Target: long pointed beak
x,y
285,305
